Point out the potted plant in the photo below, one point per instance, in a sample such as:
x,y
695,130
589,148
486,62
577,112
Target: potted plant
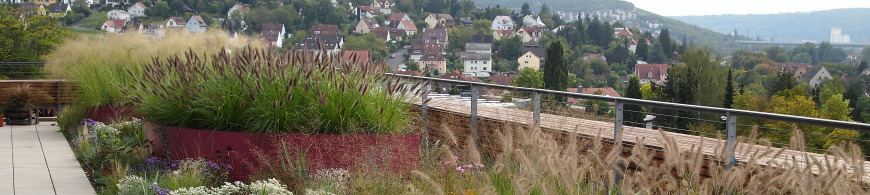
x,y
333,114
21,102
2,118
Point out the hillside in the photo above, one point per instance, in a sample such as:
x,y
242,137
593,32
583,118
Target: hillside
x,y
721,43
791,26
575,6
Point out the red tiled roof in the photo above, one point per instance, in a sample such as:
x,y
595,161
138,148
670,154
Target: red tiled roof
x,y
271,32
504,33
642,71
361,56
456,75
409,25
140,4
606,91
178,20
116,23
397,17
624,32
324,29
502,79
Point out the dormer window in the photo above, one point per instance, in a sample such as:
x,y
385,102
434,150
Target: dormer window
x,y
649,74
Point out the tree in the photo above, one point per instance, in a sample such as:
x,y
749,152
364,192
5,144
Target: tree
x,y
511,48
785,80
642,50
636,115
657,55
555,68
865,53
729,92
862,66
413,65
802,58
525,9
27,42
530,78
482,26
159,10
666,42
776,53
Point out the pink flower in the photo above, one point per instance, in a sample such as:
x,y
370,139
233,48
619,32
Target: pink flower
x,y
462,171
455,157
458,168
447,162
468,166
479,165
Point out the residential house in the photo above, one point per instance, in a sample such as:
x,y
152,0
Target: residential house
x,y
605,91
502,78
652,73
533,21
499,34
196,24
11,1
137,10
43,2
356,57
559,28
503,23
478,47
530,33
118,15
113,26
798,69
437,18
622,32
134,26
409,73
418,47
58,10
273,34
365,25
398,17
362,11
436,35
323,30
241,9
405,25
481,39
532,58
383,6
383,33
866,72
456,75
434,62
154,29
815,75
113,3
595,56
466,21
332,43
176,22
445,25
477,64
32,9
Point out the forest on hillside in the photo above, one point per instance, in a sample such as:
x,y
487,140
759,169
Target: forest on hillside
x,y
790,26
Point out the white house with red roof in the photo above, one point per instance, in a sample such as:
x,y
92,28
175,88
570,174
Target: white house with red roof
x,y
176,22
622,32
113,26
503,23
652,73
273,34
118,15
398,17
137,10
408,26
530,33
196,24
383,6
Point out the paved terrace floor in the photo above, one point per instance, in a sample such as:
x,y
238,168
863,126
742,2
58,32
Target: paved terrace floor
x,y
36,159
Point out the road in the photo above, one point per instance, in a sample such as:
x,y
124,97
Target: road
x,y
398,60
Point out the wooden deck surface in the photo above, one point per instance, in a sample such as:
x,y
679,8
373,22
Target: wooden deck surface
x,y
711,146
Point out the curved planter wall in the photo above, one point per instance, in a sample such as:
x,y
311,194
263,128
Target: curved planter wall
x,y
392,152
108,114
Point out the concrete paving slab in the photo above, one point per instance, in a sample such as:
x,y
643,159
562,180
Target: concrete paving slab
x,y
37,159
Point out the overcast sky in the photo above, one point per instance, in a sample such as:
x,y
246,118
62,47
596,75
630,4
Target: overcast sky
x,y
709,7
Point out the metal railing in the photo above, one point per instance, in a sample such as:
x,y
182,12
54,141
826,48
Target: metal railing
x,y
730,115
22,70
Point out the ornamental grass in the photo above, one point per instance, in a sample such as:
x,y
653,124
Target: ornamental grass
x,y
264,91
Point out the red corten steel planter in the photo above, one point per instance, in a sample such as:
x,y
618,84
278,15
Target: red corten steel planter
x,y
399,153
108,114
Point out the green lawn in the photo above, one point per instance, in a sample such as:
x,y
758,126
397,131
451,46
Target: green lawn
x,y
94,21
82,31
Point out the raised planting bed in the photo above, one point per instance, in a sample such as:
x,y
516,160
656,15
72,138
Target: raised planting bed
x,y
21,117
398,153
108,114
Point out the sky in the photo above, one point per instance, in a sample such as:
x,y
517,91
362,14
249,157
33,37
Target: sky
x,y
718,7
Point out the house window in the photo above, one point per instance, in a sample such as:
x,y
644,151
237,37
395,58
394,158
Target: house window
x,y
484,68
649,74
484,62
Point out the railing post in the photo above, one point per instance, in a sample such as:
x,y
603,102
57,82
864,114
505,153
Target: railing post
x,y
617,136
473,113
537,110
57,111
425,112
731,131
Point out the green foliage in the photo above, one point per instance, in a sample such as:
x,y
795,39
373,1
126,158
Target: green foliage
x,y
304,96
159,10
27,42
530,78
511,48
729,92
369,42
555,68
635,116
94,21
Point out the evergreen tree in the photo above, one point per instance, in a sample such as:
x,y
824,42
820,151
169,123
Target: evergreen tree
x,y
665,41
642,50
862,66
526,10
556,68
657,55
785,80
635,115
729,92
